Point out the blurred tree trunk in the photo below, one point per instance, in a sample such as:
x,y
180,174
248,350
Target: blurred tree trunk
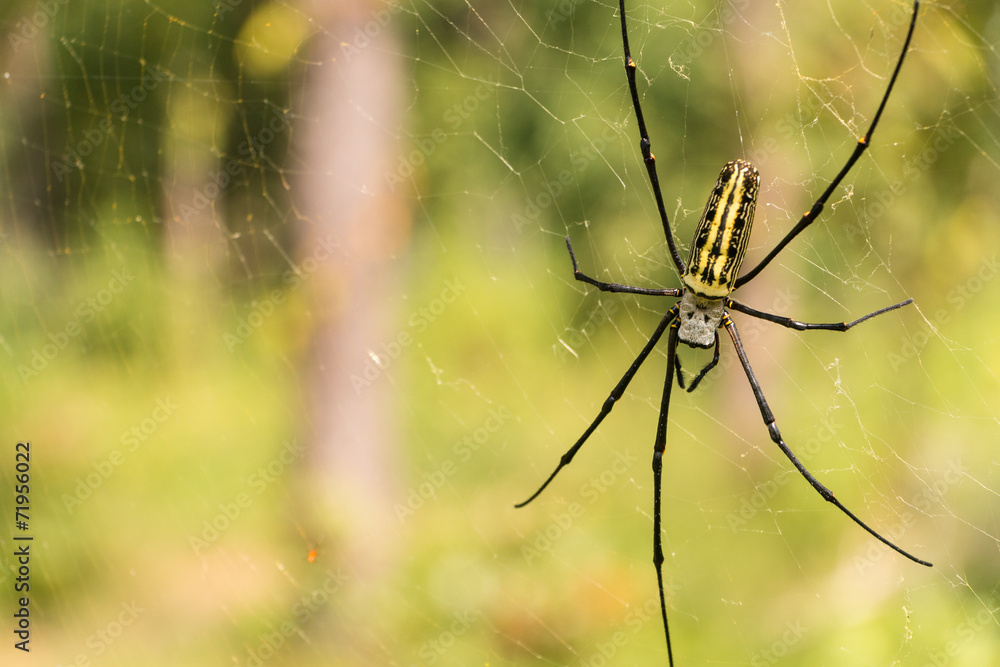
x,y
346,141
195,238
28,228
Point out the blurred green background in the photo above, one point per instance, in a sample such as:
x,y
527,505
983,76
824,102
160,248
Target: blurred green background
x,y
289,323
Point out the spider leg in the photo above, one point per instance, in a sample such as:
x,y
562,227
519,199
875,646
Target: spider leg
x,y
645,146
616,393
709,366
659,446
775,434
808,326
701,374
615,287
863,143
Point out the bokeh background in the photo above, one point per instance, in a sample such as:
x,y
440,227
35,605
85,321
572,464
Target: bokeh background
x,y
287,317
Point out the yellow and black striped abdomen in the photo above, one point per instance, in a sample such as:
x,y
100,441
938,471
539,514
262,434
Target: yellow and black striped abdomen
x,y
722,235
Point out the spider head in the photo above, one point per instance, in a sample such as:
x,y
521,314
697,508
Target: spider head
x,y
699,318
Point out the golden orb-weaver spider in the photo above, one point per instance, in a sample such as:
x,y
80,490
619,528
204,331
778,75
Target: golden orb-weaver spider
x,y
709,277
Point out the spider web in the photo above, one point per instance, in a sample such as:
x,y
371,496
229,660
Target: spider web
x,y
291,326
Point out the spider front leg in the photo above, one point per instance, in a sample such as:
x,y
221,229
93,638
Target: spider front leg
x,y
864,142
772,429
614,287
808,326
645,145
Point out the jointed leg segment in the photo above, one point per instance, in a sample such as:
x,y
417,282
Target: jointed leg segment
x,y
789,323
609,403
645,145
615,287
812,214
772,429
659,445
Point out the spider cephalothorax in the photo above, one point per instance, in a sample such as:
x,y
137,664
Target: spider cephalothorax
x,y
700,319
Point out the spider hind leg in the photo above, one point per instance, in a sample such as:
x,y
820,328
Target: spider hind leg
x,y
775,434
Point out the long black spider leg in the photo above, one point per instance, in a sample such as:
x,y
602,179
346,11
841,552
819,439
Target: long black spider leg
x,y
863,143
659,446
680,372
772,429
609,403
646,147
615,287
808,326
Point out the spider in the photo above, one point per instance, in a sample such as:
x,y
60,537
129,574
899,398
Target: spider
x,y
709,277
